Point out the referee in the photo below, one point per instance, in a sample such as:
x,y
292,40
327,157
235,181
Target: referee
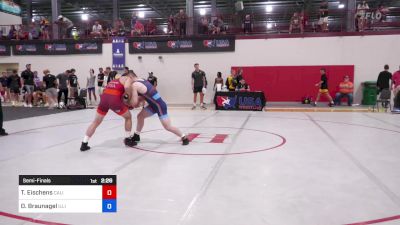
x,y
2,131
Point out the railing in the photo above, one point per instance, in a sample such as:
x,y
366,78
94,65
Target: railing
x,y
229,24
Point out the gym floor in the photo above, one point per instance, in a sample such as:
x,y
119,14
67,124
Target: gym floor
x,y
273,168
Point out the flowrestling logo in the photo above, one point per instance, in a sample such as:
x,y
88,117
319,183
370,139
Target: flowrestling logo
x,y
26,48
180,44
55,47
226,102
145,45
86,46
222,43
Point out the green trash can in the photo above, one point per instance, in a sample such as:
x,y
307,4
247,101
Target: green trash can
x,y
369,93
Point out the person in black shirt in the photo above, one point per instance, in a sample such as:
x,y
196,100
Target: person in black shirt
x,y
152,79
2,131
28,84
247,24
384,79
73,84
323,88
198,83
14,82
100,81
242,86
239,75
126,71
50,83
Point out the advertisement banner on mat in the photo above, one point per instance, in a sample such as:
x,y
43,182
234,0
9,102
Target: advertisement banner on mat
x,y
57,47
177,44
118,53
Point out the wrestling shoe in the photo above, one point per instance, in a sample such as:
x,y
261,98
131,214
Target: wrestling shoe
x,y
136,137
185,140
84,146
130,142
3,133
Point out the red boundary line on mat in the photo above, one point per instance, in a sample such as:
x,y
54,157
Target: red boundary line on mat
x,y
376,221
29,219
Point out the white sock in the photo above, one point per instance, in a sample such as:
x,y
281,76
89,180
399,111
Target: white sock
x,y
137,132
86,139
201,104
183,135
194,104
127,134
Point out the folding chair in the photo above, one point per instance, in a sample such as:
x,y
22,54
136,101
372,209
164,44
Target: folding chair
x,y
384,98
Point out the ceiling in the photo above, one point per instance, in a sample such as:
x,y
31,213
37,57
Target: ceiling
x,y
159,10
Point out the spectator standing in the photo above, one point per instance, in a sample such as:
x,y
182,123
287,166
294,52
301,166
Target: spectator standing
x,y
100,81
73,84
97,29
15,85
152,79
38,92
13,33
323,88
134,18
181,19
198,83
66,26
138,29
218,82
203,28
50,83
151,27
2,131
247,24
90,85
5,93
296,23
361,19
231,81
63,86
171,24
44,29
34,31
384,79
345,90
28,84
323,16
239,75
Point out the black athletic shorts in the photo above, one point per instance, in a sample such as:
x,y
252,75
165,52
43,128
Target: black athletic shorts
x,y
15,90
198,89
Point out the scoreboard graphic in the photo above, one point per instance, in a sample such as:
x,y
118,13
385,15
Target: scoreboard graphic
x,y
67,194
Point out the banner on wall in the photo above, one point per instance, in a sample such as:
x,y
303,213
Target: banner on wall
x,y
118,53
57,47
10,7
5,50
184,44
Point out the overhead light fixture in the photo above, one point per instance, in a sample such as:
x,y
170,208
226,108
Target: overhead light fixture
x,y
85,17
341,6
165,30
202,12
269,25
141,14
268,8
202,2
141,5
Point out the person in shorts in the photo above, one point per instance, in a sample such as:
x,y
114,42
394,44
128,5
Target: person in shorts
x,y
100,81
50,83
112,99
73,84
323,88
198,83
28,85
63,86
14,82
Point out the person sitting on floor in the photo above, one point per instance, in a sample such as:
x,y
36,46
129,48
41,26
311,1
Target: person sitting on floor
x,y
345,90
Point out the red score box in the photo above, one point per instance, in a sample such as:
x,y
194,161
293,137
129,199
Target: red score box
x,y
109,192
